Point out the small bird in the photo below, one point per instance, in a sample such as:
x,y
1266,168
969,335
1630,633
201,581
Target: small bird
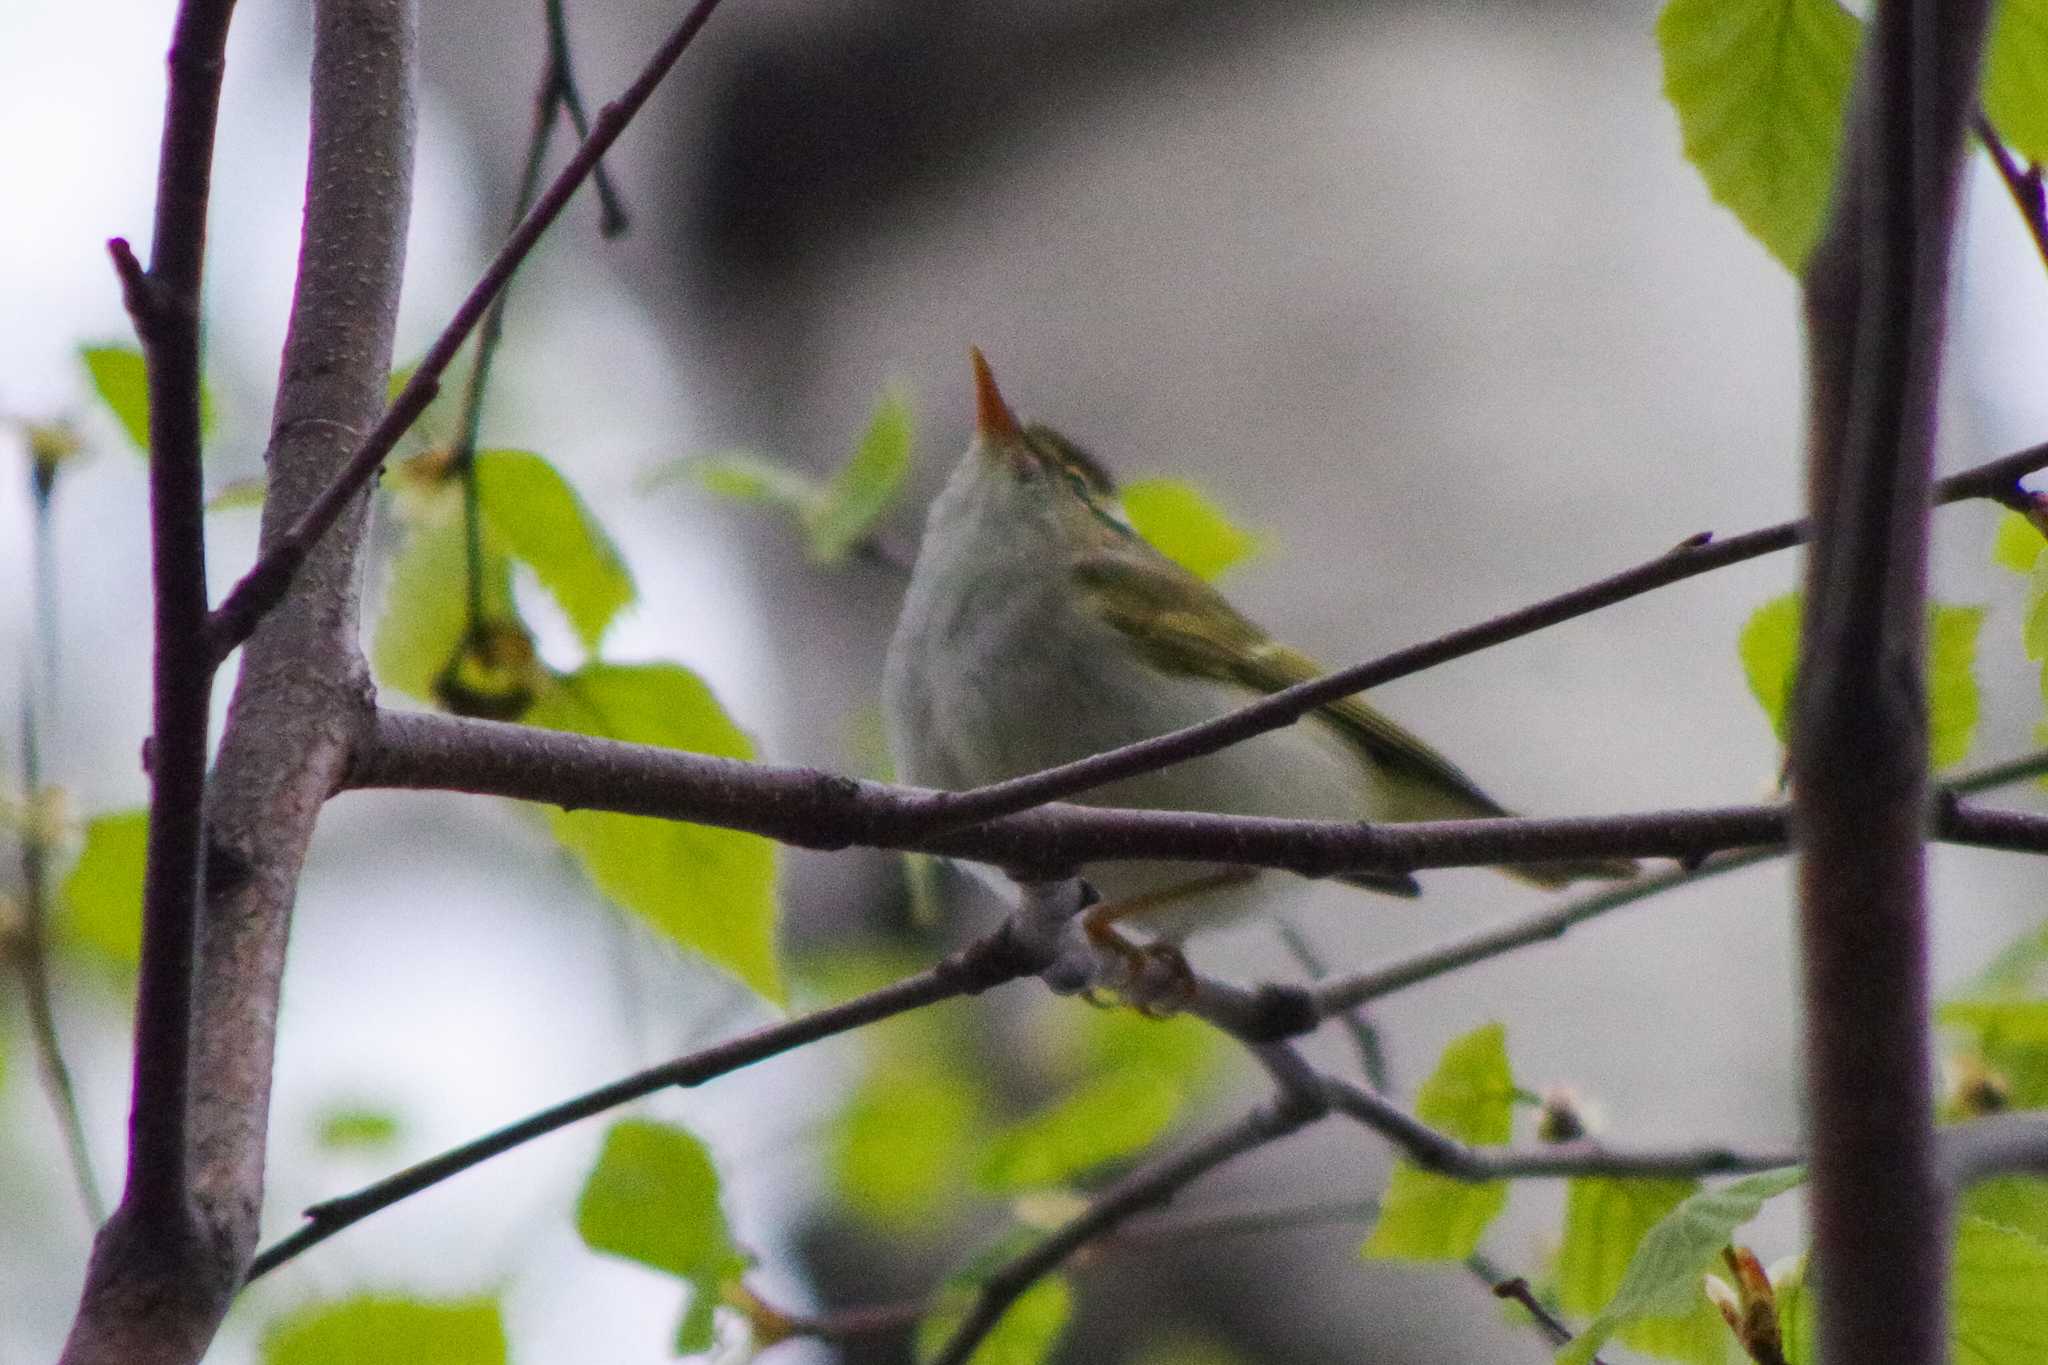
x,y
1040,628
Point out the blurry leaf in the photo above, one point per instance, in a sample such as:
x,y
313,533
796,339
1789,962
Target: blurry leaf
x,y
1112,1116
1951,681
1182,1349
1183,1050
388,1331
2015,87
2018,543
103,894
899,1150
1604,1221
237,496
1769,649
2019,1202
356,1128
866,486
1795,1313
710,890
653,1198
1760,87
120,377
1663,1280
2013,971
1026,1334
539,520
2022,1021
1470,1096
2034,631
742,476
1700,1337
1185,526
426,609
1998,1296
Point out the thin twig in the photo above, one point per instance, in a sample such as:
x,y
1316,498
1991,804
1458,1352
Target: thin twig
x,y
991,963
1517,1290
1355,1018
612,220
1147,1187
35,835
2023,185
266,582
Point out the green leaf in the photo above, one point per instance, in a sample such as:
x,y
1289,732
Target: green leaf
x,y
1998,1295
1951,681
1760,87
1663,1279
866,486
1795,1314
900,1148
240,495
120,376
356,1128
426,609
2012,972
653,1198
1186,526
1605,1220
1470,1096
2013,1021
389,1331
742,476
1769,649
103,894
2017,544
539,520
2034,630
710,890
1026,1334
2019,1202
2015,88
1110,1117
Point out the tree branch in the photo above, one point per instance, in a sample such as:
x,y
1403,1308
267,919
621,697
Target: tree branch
x,y
265,584
2023,185
151,1291
1875,291
990,963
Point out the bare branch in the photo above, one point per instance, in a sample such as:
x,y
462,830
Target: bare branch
x,y
1875,293
2023,185
1001,957
265,584
1999,1145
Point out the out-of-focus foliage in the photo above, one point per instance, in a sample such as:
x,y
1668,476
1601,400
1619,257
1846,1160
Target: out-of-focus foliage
x,y
377,1330
2016,76
1470,1096
539,520
1605,1220
710,890
1769,649
120,377
1026,1333
1186,526
653,1198
103,893
356,1128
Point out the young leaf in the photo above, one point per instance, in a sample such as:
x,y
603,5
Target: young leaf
x,y
1760,86
2017,544
1605,1220
742,476
1112,1116
653,1198
540,521
120,377
356,1128
426,607
1429,1217
901,1145
2015,88
710,890
1186,527
2034,629
1663,1279
103,893
2007,1021
866,486
371,1329
1769,649
1026,1334
1999,1295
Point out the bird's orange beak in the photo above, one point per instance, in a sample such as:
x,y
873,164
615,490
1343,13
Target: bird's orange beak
x,y
992,416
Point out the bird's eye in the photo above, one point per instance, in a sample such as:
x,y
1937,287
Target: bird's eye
x,y
1079,482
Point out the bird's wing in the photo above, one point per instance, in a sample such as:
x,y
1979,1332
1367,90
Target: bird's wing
x,y
1183,626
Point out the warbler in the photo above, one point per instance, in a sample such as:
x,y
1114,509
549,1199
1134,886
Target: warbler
x,y
1040,628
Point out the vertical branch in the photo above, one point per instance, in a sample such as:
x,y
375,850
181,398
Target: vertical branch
x,y
1874,302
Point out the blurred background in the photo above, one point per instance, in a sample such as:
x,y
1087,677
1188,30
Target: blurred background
x,y
1423,294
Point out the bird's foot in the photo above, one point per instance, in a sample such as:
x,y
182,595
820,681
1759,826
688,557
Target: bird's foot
x,y
1152,978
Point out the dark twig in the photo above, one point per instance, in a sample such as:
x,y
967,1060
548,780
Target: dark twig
x,y
1147,1187
265,583
2023,185
1517,1290
989,964
613,221
1875,294
1355,1018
